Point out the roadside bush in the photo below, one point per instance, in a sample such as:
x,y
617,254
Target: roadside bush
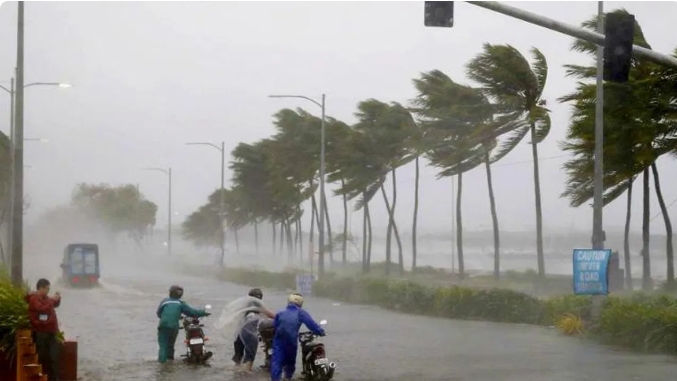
x,y
641,322
13,312
261,278
638,321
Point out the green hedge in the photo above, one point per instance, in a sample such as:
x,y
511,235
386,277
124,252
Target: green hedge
x,y
638,321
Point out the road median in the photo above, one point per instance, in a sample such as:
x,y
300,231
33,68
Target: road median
x,y
637,321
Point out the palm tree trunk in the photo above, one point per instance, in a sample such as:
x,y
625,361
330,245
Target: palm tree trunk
x,y
274,238
282,237
459,227
317,215
290,241
494,218
389,232
299,228
647,284
400,258
256,236
369,230
364,235
626,238
670,281
296,238
539,210
329,242
414,219
313,213
237,242
344,244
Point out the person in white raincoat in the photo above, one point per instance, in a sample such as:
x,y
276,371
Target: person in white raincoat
x,y
247,340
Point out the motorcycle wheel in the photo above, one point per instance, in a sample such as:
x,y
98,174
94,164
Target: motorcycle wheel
x,y
197,354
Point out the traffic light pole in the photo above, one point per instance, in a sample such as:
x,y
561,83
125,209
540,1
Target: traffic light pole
x,y
583,34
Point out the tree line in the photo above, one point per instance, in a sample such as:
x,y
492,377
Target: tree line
x,y
457,127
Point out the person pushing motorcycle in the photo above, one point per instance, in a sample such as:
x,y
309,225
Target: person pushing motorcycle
x,y
285,342
169,312
247,340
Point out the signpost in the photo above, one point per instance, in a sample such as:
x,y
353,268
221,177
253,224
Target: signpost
x,y
304,284
591,271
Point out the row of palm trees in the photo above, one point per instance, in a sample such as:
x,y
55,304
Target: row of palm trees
x,y
457,128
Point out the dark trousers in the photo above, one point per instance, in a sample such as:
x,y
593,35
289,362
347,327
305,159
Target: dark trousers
x,y
166,338
48,353
238,346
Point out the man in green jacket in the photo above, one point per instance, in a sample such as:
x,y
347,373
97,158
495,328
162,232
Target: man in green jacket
x,y
169,312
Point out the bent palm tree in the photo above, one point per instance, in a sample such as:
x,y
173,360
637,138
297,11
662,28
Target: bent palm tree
x,y
516,88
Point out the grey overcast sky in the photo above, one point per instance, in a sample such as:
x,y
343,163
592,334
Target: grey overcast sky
x,y
149,76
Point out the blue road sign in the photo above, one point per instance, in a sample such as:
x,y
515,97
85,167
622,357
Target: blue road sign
x,y
304,284
590,271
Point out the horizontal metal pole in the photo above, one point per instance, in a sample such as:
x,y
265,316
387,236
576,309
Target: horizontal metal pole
x,y
582,33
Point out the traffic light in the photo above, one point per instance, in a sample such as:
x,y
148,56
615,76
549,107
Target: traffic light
x,y
439,14
619,32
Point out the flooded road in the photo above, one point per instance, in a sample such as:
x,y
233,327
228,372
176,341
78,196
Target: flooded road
x,y
115,326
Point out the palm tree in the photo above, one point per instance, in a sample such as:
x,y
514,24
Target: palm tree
x,y
636,132
415,148
337,152
516,87
363,173
451,115
389,125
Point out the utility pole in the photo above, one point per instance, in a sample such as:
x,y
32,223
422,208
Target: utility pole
x,y
597,226
10,239
598,180
17,205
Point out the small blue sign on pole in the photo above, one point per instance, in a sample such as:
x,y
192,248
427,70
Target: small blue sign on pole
x,y
304,284
590,271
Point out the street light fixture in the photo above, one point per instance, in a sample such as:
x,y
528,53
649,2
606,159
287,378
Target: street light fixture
x,y
167,172
322,170
223,201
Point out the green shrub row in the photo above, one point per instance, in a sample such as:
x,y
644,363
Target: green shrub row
x,y
638,321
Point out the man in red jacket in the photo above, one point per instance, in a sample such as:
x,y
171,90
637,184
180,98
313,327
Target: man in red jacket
x,y
42,315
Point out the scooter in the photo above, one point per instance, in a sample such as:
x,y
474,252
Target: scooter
x,y
316,366
195,340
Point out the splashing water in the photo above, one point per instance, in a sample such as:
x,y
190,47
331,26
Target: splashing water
x,y
233,315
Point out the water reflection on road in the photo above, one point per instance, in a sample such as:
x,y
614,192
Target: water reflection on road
x,y
115,326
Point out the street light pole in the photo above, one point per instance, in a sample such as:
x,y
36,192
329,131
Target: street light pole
x,y
13,94
18,162
321,104
222,208
167,172
320,265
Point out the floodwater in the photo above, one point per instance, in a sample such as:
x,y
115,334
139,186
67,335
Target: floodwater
x,y
115,326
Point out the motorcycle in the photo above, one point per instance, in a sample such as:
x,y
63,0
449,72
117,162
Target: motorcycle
x,y
195,340
266,333
316,366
